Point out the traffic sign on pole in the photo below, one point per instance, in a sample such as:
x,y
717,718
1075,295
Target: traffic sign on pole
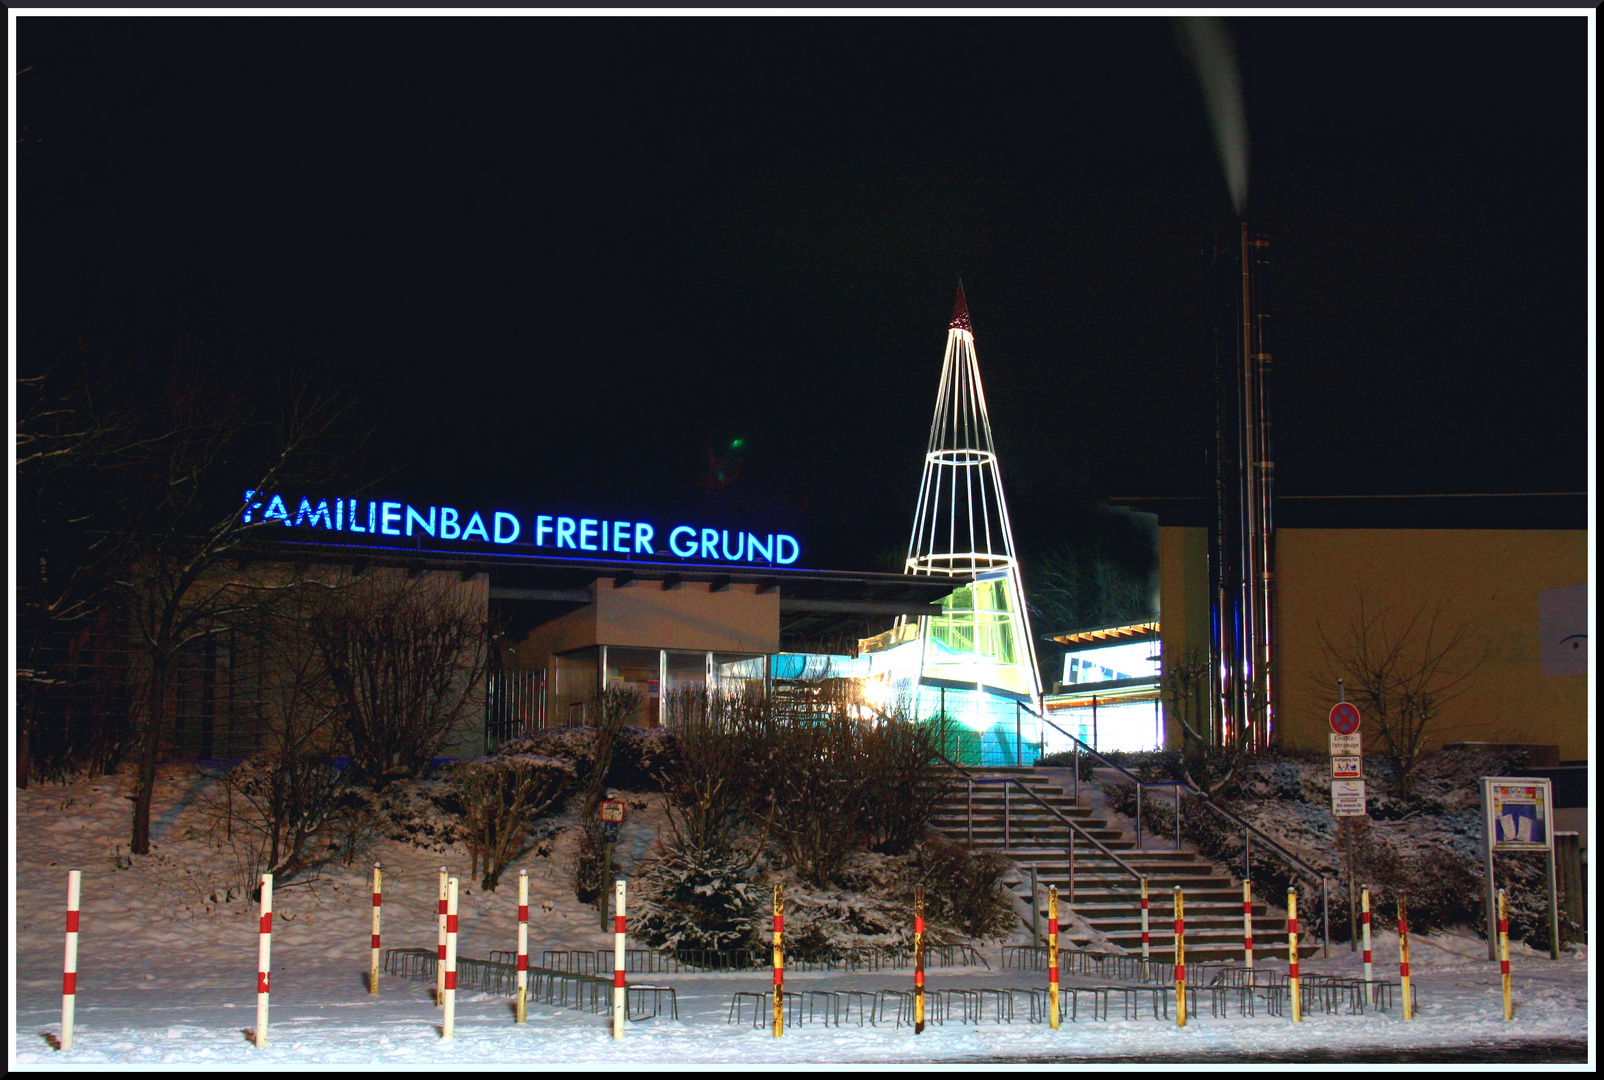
x,y
1348,798
1344,745
1344,718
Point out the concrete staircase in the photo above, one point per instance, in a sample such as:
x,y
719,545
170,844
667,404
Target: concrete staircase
x,y
1106,897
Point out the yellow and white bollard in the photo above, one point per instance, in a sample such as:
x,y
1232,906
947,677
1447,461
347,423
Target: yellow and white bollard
x,y
264,959
779,960
1292,955
522,1013
918,959
448,1027
1503,954
1180,958
69,966
440,947
1403,959
1053,1010
373,960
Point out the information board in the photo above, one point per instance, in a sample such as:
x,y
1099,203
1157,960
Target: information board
x,y
1518,813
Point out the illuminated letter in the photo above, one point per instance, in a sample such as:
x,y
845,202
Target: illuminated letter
x,y
390,518
476,524
372,509
275,509
740,547
587,532
354,526
621,536
339,514
673,541
565,532
511,520
249,506
305,514
449,529
755,547
709,543
779,549
542,527
424,523
643,539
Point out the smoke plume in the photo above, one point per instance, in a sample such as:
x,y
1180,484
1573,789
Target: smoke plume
x,y
1209,48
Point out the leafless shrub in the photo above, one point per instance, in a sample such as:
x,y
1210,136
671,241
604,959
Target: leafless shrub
x,y
501,796
405,659
1402,668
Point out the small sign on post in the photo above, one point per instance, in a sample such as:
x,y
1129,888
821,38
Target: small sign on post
x,y
1348,798
1346,767
1345,745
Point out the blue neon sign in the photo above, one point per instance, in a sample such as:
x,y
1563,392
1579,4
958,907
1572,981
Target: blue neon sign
x,y
551,531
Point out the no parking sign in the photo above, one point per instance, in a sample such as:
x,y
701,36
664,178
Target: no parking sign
x,y
1344,718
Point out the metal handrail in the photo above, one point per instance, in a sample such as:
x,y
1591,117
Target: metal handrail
x,y
1132,777
1180,786
1074,828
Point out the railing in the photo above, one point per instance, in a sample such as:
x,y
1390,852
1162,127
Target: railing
x,y
1074,829
1247,830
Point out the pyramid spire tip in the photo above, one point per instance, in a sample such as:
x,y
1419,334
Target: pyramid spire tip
x,y
960,311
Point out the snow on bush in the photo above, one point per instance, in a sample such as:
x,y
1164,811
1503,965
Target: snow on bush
x,y
698,899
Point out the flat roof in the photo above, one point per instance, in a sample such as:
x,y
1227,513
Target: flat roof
x,y
815,605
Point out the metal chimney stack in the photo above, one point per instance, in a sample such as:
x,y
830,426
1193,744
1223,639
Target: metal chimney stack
x,y
1242,567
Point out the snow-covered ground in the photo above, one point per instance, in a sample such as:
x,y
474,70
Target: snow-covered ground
x,y
167,966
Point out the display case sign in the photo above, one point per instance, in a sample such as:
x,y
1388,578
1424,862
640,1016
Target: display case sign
x,y
1518,812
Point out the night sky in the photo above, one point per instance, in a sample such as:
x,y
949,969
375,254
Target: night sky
x,y
567,262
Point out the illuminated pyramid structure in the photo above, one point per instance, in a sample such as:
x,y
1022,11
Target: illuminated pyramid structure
x,y
977,658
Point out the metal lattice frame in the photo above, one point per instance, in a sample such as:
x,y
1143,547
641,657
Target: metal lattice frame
x,y
961,525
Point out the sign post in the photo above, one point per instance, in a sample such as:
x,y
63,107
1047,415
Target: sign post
x,y
1347,787
612,816
1518,815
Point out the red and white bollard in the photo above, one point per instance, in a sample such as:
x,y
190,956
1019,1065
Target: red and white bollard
x,y
450,991
1247,925
440,948
1364,929
373,962
264,959
1292,955
69,967
1145,941
619,989
523,947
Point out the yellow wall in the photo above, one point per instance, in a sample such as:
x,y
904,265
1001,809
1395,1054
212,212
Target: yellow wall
x,y
1491,577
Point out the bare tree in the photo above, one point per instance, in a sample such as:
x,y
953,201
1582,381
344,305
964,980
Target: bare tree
x,y
284,799
1402,667
405,659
